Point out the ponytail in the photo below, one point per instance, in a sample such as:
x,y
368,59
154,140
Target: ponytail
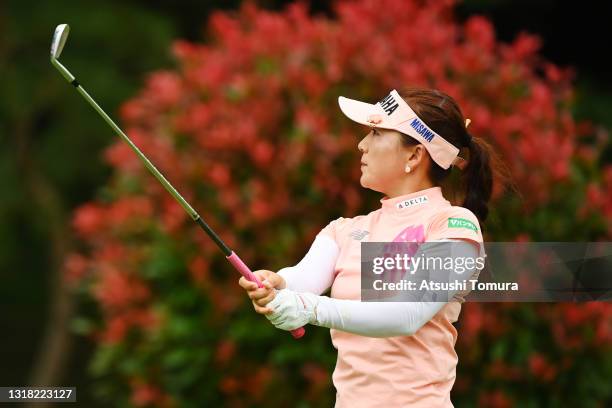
x,y
442,115
477,178
483,166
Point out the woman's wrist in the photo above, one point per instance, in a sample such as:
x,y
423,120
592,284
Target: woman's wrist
x,y
293,309
282,274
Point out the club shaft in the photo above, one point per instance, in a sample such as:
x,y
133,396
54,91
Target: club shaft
x,y
158,175
230,255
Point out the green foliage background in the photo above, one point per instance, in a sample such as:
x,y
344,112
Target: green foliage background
x,y
50,145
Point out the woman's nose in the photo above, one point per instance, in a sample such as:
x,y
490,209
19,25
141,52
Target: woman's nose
x,y
361,146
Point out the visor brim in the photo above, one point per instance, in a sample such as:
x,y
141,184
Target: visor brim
x,y
360,112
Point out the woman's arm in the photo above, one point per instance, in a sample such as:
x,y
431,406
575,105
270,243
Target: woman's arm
x,y
374,319
315,272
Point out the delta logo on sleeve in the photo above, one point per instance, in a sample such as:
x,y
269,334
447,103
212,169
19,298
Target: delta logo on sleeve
x,y
462,223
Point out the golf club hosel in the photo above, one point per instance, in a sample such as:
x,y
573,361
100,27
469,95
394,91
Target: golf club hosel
x,y
63,70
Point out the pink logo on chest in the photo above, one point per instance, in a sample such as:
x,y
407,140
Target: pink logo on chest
x,y
411,234
414,234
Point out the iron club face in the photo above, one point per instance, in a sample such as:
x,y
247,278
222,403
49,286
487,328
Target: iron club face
x,y
59,39
57,45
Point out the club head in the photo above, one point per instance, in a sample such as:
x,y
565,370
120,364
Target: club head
x,y
59,39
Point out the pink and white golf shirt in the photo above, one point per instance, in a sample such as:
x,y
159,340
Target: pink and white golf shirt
x,y
402,371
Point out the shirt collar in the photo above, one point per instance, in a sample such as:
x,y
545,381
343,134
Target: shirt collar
x,y
409,203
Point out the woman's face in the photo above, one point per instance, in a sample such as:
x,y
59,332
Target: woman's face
x,y
383,160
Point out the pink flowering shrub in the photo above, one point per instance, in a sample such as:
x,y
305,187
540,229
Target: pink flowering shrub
x,y
248,129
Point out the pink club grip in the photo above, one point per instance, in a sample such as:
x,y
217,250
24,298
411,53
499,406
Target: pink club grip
x,y
247,273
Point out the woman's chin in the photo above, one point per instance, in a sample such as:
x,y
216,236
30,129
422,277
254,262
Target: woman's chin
x,y
364,181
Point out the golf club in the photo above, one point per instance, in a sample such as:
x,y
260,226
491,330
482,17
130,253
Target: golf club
x,y
57,45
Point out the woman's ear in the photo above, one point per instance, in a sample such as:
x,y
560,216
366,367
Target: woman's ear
x,y
422,153
415,155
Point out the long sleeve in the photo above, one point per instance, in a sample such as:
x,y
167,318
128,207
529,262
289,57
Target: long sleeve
x,y
375,319
315,272
386,319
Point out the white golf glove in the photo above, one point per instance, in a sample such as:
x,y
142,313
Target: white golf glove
x,y
292,309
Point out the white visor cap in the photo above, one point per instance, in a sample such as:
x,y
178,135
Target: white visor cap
x,y
392,112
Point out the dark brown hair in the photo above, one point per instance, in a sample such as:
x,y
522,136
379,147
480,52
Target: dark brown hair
x,y
442,114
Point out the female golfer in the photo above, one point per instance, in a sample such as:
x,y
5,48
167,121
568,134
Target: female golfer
x,y
391,354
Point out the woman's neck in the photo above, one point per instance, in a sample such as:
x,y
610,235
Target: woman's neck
x,y
409,186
